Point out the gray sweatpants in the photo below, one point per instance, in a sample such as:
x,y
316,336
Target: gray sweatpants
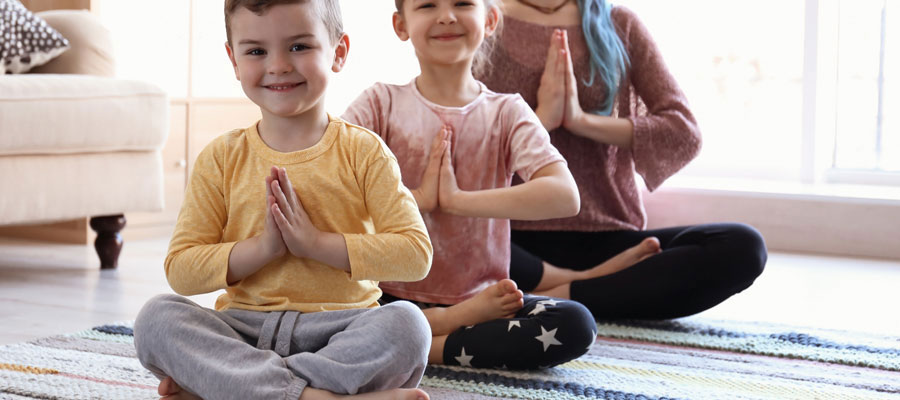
x,y
240,354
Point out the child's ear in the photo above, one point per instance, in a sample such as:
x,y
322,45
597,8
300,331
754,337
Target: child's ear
x,y
492,21
340,53
233,63
400,27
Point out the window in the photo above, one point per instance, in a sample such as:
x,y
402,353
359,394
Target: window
x,y
788,90
867,137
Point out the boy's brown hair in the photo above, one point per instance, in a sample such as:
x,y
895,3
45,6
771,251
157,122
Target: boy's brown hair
x,y
328,10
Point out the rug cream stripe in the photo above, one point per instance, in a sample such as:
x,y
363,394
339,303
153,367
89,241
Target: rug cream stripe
x,y
714,360
63,387
501,391
757,386
756,345
91,365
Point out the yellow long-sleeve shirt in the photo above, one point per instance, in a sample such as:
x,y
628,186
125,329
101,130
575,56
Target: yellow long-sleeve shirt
x,y
349,183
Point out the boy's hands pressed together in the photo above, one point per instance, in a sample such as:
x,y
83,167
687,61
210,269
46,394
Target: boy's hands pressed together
x,y
272,244
297,231
427,193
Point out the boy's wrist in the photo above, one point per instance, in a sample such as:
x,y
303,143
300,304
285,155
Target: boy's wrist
x,y
264,252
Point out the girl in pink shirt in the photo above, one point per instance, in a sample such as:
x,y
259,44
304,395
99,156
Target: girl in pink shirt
x,y
458,145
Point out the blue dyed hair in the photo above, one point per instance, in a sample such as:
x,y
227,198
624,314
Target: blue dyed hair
x,y
609,59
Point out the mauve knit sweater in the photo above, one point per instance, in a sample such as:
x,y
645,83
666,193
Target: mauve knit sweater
x,y
666,136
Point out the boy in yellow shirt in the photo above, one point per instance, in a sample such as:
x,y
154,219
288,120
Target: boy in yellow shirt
x,y
297,218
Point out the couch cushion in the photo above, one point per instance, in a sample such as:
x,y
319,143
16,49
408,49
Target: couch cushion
x,y
57,187
26,41
90,44
55,114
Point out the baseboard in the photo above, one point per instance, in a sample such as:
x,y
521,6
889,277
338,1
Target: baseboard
x,y
75,231
792,223
78,231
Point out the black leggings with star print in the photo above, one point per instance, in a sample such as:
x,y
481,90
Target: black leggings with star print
x,y
544,333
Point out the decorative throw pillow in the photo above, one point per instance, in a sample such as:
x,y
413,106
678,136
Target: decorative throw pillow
x,y
26,41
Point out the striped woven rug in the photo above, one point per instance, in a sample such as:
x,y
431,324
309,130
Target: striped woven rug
x,y
680,359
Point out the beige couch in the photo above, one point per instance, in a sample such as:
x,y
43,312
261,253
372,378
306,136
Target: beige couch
x,y
77,142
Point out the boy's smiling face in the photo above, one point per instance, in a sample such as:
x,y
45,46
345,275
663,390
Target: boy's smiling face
x,y
283,57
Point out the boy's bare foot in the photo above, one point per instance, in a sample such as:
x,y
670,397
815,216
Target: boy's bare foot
x,y
639,252
393,394
170,390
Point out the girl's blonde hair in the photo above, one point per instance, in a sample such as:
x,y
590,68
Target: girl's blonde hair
x,y
482,62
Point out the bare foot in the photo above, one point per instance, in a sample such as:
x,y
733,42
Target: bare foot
x,y
639,252
170,390
394,394
500,300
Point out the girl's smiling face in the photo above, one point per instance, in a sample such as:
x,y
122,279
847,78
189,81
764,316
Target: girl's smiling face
x,y
445,32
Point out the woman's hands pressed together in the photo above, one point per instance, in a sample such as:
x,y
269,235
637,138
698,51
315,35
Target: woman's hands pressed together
x,y
557,96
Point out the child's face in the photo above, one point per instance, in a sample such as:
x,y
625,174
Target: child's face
x,y
283,57
445,31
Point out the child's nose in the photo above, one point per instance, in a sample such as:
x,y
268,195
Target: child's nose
x,y
447,16
279,64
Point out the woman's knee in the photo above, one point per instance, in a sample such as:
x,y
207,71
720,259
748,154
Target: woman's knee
x,y
749,251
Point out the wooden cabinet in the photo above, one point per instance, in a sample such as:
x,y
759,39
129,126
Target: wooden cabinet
x,y
193,124
43,5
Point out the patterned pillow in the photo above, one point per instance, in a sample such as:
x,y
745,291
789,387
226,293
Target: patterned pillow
x,y
26,41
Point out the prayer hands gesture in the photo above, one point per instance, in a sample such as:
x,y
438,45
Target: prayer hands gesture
x,y
438,183
557,95
297,232
272,243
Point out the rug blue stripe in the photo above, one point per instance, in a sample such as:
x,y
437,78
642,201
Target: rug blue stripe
x,y
115,330
576,389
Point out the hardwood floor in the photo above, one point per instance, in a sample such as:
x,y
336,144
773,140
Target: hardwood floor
x,y
48,289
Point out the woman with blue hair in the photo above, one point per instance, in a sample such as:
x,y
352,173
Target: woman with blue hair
x,y
596,79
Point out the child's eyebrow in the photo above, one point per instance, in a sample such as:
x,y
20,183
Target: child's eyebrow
x,y
289,39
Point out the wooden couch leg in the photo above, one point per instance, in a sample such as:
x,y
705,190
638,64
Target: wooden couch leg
x,y
109,240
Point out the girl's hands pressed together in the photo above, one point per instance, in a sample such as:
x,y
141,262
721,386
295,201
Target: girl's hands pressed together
x,y
427,193
271,241
297,231
448,189
551,94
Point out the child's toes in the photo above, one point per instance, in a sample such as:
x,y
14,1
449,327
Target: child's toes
x,y
507,286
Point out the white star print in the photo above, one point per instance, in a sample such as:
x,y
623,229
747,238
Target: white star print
x,y
538,309
512,324
592,341
465,360
548,338
549,302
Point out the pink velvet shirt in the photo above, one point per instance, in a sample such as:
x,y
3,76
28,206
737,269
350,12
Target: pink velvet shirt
x,y
666,136
494,137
